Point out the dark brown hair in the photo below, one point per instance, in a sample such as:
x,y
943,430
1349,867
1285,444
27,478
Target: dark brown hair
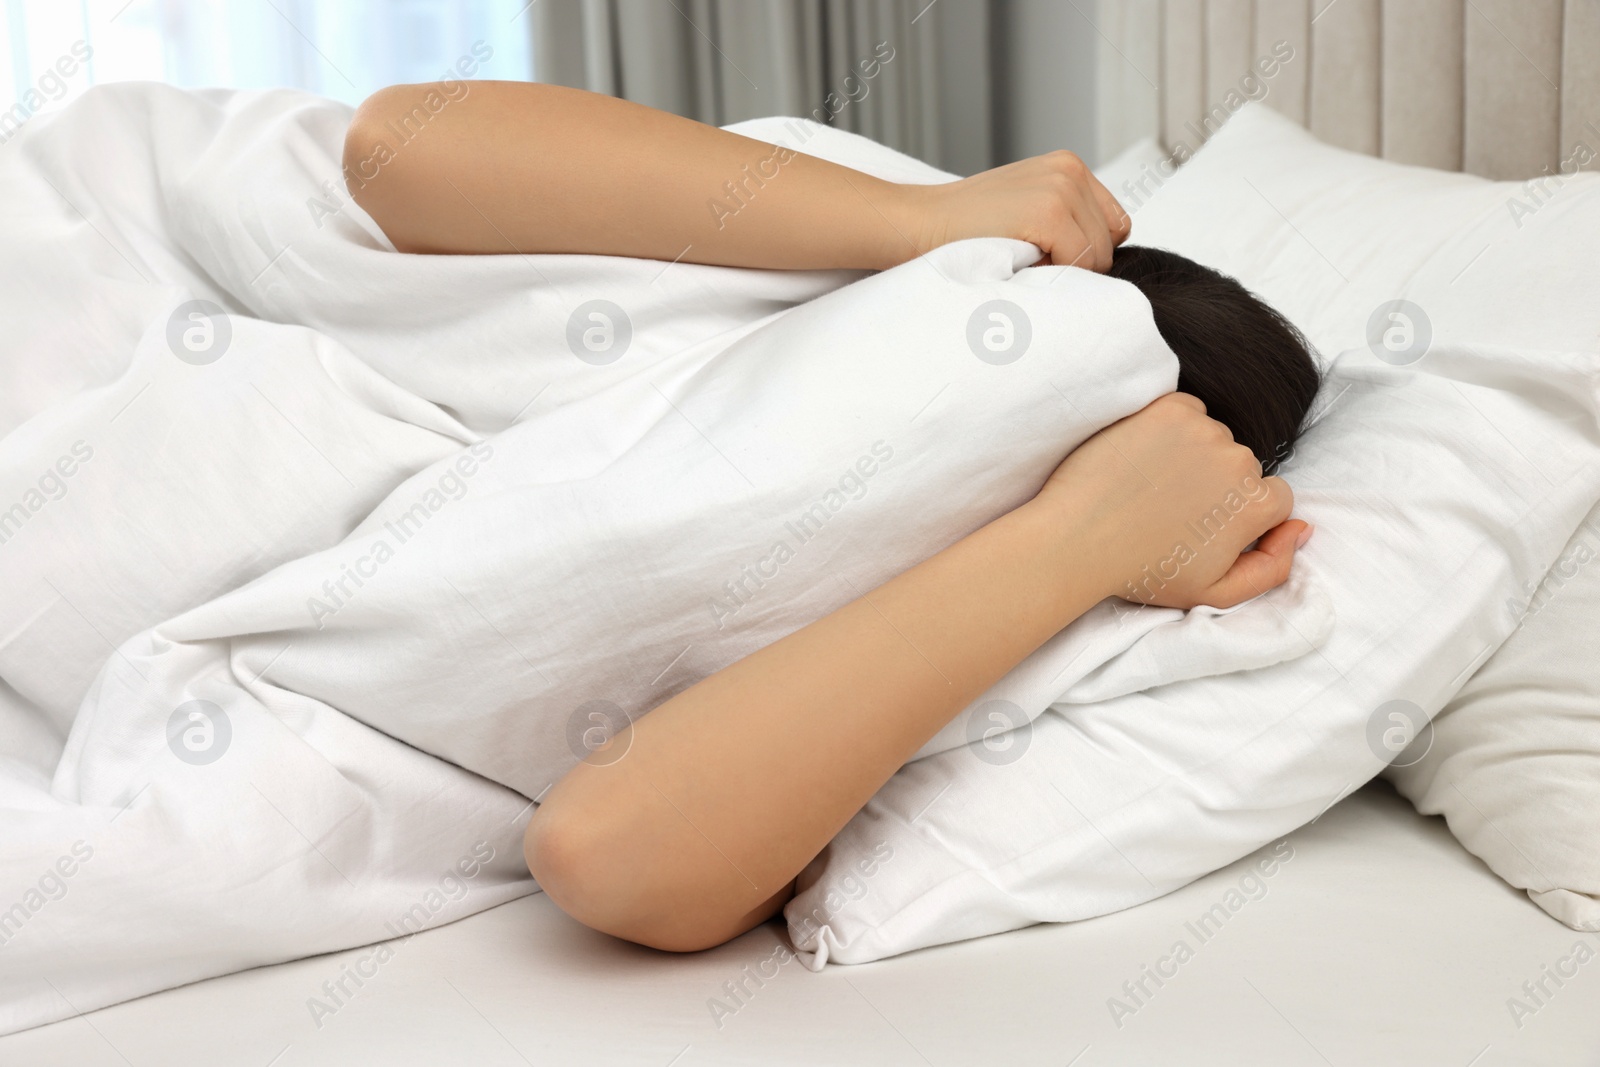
x,y
1248,364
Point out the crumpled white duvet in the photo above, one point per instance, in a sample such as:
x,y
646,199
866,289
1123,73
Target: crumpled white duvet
x,y
310,591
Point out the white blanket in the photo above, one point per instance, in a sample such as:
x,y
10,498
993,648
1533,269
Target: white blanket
x,y
307,594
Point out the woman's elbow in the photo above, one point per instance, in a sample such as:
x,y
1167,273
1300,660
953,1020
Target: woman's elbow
x,y
377,172
366,149
605,884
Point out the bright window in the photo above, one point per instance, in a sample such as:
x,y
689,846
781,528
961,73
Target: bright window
x,y
344,49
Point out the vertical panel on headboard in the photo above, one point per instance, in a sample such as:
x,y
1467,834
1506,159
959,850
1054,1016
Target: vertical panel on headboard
x,y
1229,29
1423,42
1580,81
1128,104
1513,74
1344,73
1503,88
1183,73
1288,22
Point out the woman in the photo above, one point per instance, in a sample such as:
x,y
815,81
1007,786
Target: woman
x,y
731,787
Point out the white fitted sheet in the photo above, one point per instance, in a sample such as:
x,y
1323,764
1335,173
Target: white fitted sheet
x,y
1380,942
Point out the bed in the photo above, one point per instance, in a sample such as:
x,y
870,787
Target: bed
x,y
1367,935
1380,942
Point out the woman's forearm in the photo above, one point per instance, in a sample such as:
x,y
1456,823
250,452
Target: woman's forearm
x,y
727,790
530,168
517,167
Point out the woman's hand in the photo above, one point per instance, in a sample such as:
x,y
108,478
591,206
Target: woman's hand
x,y
1052,201
1174,501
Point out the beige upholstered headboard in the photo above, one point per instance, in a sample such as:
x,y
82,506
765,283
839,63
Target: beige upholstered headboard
x,y
1502,88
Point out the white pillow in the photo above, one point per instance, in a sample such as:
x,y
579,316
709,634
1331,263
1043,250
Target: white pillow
x,y
1442,477
1513,762
1327,236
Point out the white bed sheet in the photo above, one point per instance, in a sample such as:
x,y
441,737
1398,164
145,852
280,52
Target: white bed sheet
x,y
1380,942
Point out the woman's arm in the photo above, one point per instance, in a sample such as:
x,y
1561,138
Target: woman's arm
x,y
523,167
729,789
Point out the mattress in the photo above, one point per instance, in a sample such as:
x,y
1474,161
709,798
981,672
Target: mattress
x,y
1375,940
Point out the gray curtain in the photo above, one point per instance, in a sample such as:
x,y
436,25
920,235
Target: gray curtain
x,y
913,74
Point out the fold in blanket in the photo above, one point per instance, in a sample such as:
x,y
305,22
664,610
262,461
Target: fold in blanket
x,y
358,550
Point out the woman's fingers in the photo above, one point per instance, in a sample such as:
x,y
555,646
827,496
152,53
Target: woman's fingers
x,y
1100,232
1117,218
1051,200
1086,242
1265,567
1075,244
1083,236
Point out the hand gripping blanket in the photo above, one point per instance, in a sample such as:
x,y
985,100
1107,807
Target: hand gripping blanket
x,y
322,563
